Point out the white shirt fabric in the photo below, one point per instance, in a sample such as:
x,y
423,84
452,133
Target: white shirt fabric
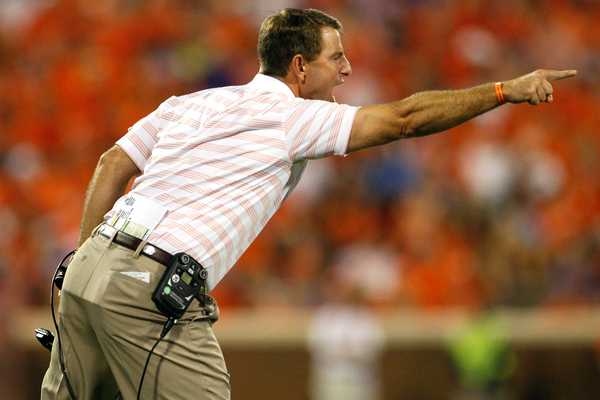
x,y
223,160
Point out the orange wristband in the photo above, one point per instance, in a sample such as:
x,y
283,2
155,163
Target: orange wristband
x,y
499,95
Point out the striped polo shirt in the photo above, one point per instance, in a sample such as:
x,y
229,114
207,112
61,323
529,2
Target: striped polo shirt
x,y
222,161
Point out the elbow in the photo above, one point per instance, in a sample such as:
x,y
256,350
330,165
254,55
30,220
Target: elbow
x,y
109,158
405,129
401,127
402,124
118,164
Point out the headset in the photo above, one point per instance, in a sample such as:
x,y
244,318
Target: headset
x,y
183,279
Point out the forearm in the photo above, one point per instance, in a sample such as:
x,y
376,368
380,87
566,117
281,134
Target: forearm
x,y
426,113
108,184
430,112
421,114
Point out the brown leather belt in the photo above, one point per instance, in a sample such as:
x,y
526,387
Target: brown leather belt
x,y
133,243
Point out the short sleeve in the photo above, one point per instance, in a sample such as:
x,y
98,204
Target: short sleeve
x,y
139,141
316,129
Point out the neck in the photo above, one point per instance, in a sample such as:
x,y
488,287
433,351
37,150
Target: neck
x,y
290,82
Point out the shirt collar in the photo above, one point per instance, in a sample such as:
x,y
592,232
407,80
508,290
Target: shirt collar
x,y
265,82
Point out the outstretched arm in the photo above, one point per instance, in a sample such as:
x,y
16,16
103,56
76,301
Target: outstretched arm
x,y
108,184
435,111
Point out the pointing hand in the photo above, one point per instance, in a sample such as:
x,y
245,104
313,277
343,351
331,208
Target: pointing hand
x,y
534,87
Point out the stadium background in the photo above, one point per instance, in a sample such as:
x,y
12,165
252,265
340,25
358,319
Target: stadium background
x,y
481,243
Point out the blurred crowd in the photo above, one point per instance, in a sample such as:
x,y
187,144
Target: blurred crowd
x,y
500,211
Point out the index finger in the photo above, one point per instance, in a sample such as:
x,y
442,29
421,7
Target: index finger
x,y
552,75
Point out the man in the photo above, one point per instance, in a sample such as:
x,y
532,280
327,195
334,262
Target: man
x,y
213,167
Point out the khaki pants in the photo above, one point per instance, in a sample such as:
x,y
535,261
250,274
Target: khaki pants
x,y
108,324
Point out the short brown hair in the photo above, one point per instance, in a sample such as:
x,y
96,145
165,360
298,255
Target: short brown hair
x,y
289,32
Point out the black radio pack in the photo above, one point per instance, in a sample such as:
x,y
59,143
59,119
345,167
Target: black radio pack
x,y
180,283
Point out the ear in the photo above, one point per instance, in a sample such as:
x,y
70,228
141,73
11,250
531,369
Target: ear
x,y
299,68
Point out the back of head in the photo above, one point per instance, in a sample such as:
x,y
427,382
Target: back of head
x,y
289,32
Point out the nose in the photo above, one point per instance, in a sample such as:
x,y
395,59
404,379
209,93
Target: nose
x,y
346,69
